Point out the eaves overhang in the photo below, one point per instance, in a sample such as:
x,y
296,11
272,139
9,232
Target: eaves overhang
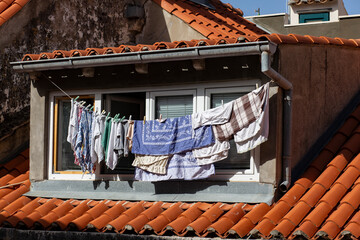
x,y
143,57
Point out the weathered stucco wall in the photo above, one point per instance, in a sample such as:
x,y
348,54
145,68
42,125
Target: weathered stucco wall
x,y
325,79
163,26
45,26
345,27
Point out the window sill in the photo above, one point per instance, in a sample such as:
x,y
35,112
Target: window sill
x,y
173,191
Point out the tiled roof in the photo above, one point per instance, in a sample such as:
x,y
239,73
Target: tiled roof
x,y
323,204
9,8
275,38
299,2
225,21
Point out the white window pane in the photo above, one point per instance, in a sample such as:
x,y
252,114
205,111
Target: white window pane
x,y
173,106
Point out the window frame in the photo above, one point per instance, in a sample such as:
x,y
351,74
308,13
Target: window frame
x,y
320,16
201,101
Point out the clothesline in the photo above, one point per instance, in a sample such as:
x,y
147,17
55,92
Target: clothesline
x,y
176,148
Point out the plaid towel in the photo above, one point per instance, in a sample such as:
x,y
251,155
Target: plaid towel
x,y
246,110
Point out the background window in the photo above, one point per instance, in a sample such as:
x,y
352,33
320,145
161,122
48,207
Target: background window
x,y
63,154
173,106
314,17
125,104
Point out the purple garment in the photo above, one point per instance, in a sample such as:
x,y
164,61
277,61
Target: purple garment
x,y
182,166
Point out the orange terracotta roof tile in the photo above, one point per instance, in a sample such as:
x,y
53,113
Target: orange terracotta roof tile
x,y
144,217
179,224
76,212
9,8
119,223
107,216
248,222
37,213
200,225
227,220
19,215
90,215
319,205
53,215
158,224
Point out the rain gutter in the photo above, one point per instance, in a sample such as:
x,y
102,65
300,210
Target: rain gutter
x,y
287,113
166,55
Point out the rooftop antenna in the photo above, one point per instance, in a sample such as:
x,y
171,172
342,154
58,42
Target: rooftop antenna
x,y
257,11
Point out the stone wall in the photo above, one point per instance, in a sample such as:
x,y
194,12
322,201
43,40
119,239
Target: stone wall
x,y
45,26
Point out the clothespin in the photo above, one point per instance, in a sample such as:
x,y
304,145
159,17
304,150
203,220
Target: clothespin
x,y
76,98
222,102
108,115
92,107
160,117
257,86
116,117
82,103
87,107
103,112
122,119
144,119
130,117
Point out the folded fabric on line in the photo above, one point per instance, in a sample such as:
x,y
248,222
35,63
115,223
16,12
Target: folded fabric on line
x,y
213,116
153,164
246,110
256,132
181,166
211,154
174,135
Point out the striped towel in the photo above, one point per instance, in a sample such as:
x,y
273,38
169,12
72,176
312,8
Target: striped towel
x,y
246,110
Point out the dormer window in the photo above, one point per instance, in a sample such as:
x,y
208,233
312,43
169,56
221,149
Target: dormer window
x,y
314,17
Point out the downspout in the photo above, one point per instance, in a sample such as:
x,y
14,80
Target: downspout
x,y
287,113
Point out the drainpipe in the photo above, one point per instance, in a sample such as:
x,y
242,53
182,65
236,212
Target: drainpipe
x,y
287,113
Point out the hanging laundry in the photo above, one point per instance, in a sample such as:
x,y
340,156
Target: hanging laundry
x,y
111,158
97,151
213,116
106,135
121,146
152,164
246,110
83,141
130,134
257,132
73,124
182,166
174,135
79,114
211,154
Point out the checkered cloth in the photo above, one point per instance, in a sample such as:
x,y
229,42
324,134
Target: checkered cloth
x,y
246,110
